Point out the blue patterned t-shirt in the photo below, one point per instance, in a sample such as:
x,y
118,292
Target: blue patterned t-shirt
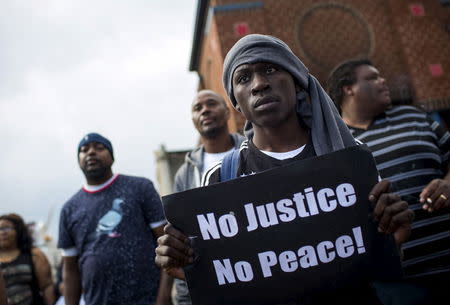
x,y
111,230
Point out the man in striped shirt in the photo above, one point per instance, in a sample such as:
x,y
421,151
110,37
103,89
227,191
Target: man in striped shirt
x,y
412,151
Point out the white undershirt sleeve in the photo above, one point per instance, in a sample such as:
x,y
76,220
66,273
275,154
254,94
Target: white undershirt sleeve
x,y
69,252
157,223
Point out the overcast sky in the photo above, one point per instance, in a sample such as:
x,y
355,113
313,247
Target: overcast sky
x,y
69,67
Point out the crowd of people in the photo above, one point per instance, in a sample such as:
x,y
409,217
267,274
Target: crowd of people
x,y
118,248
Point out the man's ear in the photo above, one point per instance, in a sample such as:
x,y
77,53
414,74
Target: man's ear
x,y
227,112
348,90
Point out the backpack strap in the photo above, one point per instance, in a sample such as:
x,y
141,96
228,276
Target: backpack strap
x,y
229,167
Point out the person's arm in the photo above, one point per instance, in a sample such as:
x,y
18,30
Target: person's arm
x,y
164,296
174,252
154,216
43,275
391,213
178,180
3,298
71,280
174,249
436,195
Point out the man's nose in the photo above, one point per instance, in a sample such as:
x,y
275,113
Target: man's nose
x,y
259,83
91,150
205,110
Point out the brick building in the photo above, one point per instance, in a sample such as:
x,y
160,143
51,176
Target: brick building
x,y
408,40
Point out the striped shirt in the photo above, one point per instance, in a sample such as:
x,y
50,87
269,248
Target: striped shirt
x,y
19,281
410,150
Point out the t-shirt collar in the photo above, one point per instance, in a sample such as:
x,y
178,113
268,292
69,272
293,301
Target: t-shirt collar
x,y
99,187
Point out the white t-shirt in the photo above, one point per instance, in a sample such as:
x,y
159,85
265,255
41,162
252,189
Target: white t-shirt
x,y
284,155
210,159
61,301
95,188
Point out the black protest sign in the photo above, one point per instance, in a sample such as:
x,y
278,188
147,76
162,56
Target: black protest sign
x,y
282,234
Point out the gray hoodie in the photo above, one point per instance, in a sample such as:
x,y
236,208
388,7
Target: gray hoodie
x,y
188,175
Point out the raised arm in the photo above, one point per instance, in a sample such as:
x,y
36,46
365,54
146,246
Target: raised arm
x,y
165,284
393,215
174,252
436,195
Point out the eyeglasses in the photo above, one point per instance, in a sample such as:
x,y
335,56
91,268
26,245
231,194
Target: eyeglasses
x,y
6,229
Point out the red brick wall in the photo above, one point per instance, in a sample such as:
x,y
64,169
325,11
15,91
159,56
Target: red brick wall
x,y
425,41
211,67
323,33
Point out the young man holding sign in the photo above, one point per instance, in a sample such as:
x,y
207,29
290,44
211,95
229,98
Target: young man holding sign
x,y
289,118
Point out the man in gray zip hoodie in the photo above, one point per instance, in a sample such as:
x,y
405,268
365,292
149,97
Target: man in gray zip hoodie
x,y
209,115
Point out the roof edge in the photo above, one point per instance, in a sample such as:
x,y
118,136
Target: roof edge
x,y
200,20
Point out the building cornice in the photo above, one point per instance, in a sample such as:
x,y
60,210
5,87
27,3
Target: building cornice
x,y
200,20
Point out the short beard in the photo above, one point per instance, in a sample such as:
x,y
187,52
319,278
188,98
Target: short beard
x,y
96,174
212,133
